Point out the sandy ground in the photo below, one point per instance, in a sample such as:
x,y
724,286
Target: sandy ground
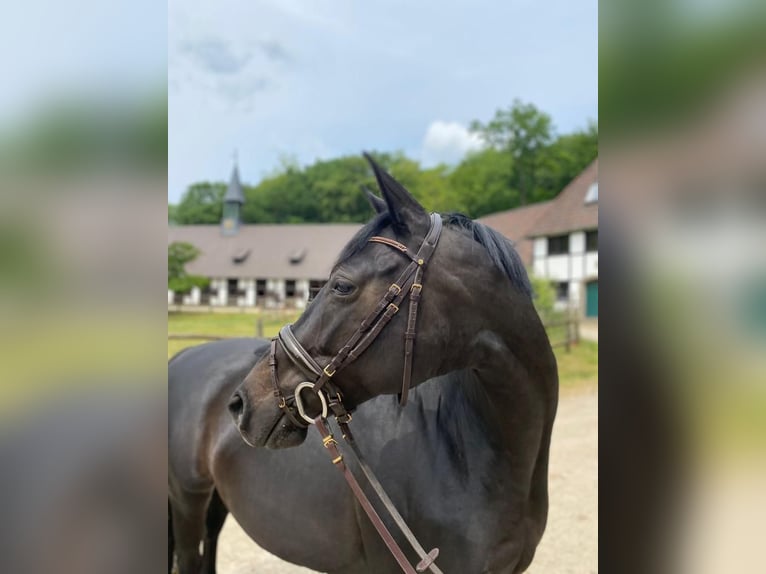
x,y
589,329
570,543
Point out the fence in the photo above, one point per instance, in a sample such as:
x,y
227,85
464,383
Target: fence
x,y
569,321
203,337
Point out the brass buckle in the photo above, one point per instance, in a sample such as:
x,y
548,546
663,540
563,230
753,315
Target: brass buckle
x,y
328,373
329,440
395,286
418,286
396,308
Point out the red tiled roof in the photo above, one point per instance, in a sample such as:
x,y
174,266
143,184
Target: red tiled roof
x,y
568,211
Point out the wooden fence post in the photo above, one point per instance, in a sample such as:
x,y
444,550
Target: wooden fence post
x,y
577,328
259,327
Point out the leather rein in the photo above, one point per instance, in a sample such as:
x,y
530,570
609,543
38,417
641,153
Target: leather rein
x,y
410,281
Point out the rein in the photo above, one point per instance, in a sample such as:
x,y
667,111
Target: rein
x,y
410,281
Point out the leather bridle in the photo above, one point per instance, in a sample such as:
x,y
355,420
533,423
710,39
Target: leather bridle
x,y
410,281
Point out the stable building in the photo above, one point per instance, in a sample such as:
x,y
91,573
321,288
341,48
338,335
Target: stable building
x,y
266,265
558,240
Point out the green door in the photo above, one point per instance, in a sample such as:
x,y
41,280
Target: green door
x,y
591,299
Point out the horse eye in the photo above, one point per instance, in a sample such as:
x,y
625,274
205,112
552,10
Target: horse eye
x,y
342,287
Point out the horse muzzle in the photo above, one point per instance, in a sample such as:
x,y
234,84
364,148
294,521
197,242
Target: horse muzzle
x,y
263,425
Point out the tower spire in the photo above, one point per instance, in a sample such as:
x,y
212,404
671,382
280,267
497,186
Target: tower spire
x,y
232,202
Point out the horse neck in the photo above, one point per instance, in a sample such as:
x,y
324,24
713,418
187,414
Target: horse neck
x,y
517,376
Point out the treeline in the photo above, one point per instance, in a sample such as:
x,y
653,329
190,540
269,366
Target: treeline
x,y
523,162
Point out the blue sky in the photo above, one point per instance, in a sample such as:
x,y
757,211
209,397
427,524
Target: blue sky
x,y
318,79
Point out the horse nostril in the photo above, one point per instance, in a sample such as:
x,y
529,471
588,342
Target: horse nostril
x,y
236,406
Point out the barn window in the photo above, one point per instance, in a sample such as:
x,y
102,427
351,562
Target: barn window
x,y
591,240
558,245
290,288
562,290
232,286
592,195
260,287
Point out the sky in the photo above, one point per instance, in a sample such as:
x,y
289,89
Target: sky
x,y
296,80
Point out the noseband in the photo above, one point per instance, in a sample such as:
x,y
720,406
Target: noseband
x,y
409,281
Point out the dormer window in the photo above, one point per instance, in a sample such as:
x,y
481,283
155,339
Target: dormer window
x,y
297,256
592,195
240,256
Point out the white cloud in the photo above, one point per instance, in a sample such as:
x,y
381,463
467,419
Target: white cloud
x,y
447,142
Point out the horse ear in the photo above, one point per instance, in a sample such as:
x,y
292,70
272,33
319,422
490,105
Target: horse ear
x,y
377,204
406,213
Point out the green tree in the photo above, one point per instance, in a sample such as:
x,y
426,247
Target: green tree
x,y
522,131
564,159
480,184
179,254
202,203
544,294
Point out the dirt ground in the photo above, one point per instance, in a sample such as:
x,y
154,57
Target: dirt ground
x,y
570,543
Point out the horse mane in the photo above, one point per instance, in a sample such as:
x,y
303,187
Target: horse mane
x,y
500,250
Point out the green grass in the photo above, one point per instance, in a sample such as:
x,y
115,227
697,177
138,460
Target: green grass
x,y
577,368
224,324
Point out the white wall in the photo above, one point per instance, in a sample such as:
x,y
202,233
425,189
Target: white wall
x,y
591,265
302,289
193,297
577,242
557,267
248,286
218,297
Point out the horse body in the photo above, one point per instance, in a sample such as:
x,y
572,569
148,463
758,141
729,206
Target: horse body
x,y
465,461
439,458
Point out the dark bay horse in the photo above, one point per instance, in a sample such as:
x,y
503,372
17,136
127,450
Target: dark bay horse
x,y
465,461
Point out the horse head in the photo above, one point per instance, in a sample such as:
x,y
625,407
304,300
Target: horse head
x,y
361,337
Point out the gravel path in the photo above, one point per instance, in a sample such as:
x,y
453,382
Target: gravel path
x,y
570,543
